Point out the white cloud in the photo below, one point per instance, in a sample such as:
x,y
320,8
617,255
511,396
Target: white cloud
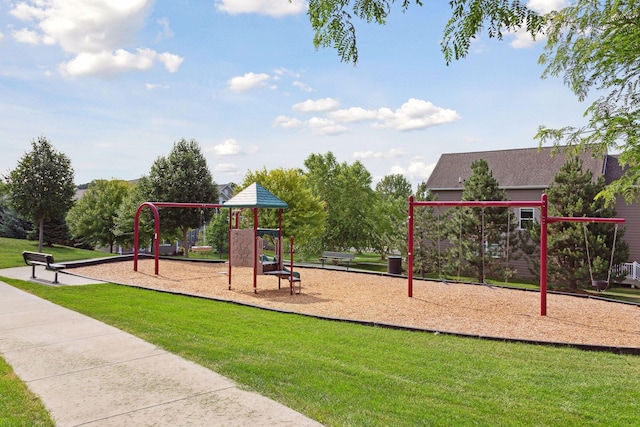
x,y
353,114
166,32
416,170
322,126
546,6
415,114
109,64
287,122
392,153
319,105
396,152
1,36
263,7
248,81
226,168
522,39
368,155
302,86
171,62
27,36
420,169
153,86
229,147
95,32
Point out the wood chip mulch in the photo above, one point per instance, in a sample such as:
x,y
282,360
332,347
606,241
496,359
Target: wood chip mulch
x,y
447,307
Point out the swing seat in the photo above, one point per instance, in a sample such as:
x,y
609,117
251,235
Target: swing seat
x,y
600,285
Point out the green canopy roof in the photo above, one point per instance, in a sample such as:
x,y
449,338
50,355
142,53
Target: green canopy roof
x,y
255,196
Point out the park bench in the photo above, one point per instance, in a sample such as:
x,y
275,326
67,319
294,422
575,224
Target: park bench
x,y
336,257
44,260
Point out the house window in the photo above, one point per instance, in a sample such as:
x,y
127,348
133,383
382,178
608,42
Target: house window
x,y
526,218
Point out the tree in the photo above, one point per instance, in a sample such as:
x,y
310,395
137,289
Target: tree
x,y
332,21
182,177
595,45
125,214
478,235
346,191
11,225
56,232
216,234
41,186
390,230
427,254
92,219
305,217
573,194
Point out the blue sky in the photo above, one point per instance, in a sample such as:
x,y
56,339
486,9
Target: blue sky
x,y
114,83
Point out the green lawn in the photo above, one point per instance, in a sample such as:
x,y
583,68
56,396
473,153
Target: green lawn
x,y
349,375
11,252
18,406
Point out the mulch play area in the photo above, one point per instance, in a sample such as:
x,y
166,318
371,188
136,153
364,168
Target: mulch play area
x,y
447,307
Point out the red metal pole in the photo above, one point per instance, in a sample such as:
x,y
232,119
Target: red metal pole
x,y
255,250
229,245
410,249
156,240
544,209
280,262
291,265
136,242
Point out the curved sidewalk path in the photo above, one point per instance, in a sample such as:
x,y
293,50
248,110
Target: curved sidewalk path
x,y
88,373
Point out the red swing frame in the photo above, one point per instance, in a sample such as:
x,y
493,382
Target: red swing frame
x,y
545,220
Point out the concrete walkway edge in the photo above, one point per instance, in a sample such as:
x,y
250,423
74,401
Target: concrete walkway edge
x,y
88,373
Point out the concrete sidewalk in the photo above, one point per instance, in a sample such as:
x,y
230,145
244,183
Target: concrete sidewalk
x,y
89,373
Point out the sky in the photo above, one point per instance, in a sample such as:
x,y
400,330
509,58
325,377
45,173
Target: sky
x,y
114,84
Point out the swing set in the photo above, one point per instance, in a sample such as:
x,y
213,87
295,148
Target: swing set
x,y
545,220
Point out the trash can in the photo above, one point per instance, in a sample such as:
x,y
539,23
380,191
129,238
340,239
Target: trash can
x,y
394,265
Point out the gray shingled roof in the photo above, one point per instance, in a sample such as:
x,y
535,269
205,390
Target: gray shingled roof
x,y
255,196
517,168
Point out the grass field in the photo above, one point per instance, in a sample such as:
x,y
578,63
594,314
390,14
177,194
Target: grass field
x,y
349,375
342,374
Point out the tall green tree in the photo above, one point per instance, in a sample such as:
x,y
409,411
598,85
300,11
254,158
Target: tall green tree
x,y
349,200
390,211
595,46
573,194
333,22
183,177
125,215
41,186
11,225
92,219
478,235
304,219
216,233
428,235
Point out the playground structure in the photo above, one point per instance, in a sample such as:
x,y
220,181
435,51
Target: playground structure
x,y
545,220
245,246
